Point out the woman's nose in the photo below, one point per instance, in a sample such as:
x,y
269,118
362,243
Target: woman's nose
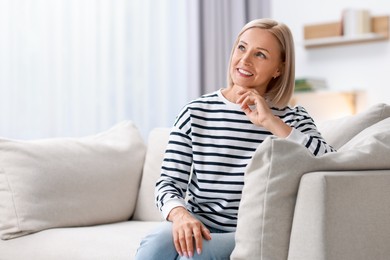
x,y
246,59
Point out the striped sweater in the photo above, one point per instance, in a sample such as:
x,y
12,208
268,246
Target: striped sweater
x,y
213,138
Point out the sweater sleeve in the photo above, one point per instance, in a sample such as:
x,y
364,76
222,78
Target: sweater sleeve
x,y
172,185
305,132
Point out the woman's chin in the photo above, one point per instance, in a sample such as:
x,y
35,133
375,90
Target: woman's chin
x,y
244,86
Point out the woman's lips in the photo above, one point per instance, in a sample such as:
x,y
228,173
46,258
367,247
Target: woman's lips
x,y
244,72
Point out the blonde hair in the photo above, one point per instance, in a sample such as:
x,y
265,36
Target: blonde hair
x,y
280,89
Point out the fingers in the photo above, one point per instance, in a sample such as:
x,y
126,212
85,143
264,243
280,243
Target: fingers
x,y
189,241
184,244
185,240
178,241
254,106
247,103
206,233
199,234
247,98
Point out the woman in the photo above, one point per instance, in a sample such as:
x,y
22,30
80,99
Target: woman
x,y
213,139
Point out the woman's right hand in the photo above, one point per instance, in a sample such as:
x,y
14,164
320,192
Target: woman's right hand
x,y
185,229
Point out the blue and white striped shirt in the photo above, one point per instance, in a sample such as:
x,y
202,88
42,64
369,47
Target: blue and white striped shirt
x,y
213,138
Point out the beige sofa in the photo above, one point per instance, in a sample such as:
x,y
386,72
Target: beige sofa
x,y
72,198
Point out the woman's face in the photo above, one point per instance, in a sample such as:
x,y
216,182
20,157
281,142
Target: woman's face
x,y
256,60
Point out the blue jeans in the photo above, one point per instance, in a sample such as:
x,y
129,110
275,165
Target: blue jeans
x,y
159,245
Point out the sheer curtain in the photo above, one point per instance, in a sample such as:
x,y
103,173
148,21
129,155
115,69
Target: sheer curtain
x,y
71,68
77,67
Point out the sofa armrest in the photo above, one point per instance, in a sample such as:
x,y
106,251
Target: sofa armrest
x,y
342,215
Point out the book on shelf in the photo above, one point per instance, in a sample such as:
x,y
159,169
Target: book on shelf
x,y
309,84
356,22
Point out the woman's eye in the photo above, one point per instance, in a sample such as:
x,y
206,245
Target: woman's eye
x,y
241,47
261,55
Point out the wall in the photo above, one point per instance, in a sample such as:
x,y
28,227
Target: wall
x,y
358,66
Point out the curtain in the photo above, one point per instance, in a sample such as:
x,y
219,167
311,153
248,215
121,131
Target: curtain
x,y
220,22
77,67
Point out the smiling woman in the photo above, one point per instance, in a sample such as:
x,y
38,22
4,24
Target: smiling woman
x,y
214,138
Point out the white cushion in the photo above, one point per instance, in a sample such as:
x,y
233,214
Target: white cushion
x,y
117,241
375,135
63,182
271,184
146,209
339,131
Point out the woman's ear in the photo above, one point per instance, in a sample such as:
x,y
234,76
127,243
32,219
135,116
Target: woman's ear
x,y
278,72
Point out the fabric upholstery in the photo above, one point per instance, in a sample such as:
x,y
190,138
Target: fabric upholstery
x,y
116,241
272,180
265,219
339,131
342,215
145,208
64,182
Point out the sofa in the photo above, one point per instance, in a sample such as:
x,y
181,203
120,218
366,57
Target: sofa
x,y
93,197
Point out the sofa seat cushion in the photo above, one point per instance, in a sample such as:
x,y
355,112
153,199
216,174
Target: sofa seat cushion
x,y
64,182
111,241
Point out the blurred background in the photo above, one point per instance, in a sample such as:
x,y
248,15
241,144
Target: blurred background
x,y
76,67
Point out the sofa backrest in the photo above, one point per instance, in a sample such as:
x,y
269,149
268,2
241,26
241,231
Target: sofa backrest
x,y
338,132
145,208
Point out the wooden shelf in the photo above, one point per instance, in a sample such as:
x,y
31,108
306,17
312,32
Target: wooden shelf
x,y
330,34
339,40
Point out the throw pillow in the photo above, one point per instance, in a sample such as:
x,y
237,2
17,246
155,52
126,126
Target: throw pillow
x,y
337,132
272,180
375,135
63,182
